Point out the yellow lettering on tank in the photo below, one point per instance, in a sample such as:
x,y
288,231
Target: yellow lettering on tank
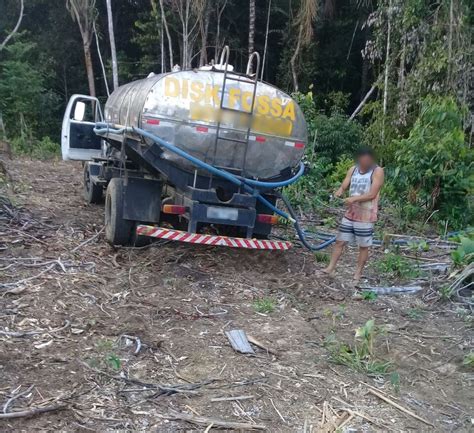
x,y
172,87
263,104
276,107
234,96
212,94
197,91
247,101
289,111
184,89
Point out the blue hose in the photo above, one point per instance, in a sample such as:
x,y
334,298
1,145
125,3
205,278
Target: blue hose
x,y
249,185
104,128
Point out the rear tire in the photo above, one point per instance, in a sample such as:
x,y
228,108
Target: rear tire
x,y
118,231
93,193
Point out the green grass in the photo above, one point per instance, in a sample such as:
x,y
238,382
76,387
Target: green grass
x,y
359,356
396,265
321,257
368,295
468,360
264,305
415,313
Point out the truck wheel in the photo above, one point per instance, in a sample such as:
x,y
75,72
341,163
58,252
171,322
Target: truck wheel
x,y
137,240
93,193
118,231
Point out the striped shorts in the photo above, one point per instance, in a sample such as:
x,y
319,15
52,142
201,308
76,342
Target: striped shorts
x,y
350,231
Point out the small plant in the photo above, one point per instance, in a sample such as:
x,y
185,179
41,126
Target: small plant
x,y
464,254
113,361
395,264
468,360
445,293
415,313
330,222
395,381
360,356
264,305
369,295
107,356
418,246
321,257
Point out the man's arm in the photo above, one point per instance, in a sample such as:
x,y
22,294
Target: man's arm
x,y
345,183
377,182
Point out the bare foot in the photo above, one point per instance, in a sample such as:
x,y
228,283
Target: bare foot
x,y
328,272
356,279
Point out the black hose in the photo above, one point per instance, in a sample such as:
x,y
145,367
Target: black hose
x,y
299,230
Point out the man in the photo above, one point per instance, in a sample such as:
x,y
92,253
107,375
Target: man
x,y
364,181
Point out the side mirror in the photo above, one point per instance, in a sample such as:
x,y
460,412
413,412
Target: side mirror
x,y
79,111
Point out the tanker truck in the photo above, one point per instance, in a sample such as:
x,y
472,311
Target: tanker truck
x,y
195,156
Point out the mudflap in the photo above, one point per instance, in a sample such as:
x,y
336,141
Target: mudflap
x,y
142,199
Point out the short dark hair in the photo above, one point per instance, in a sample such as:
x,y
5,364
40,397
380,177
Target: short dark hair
x,y
365,151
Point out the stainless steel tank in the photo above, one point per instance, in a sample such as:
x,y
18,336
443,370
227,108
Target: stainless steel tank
x,y
183,108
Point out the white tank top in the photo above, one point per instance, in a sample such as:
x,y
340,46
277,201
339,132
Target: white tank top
x,y
360,184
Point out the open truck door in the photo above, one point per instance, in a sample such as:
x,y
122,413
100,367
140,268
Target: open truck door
x,y
78,140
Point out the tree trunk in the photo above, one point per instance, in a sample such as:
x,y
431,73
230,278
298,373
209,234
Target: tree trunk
x,y
113,49
89,67
251,29
293,59
266,38
101,61
387,68
15,29
204,32
167,30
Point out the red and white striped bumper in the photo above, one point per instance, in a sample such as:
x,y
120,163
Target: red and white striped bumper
x,y
223,241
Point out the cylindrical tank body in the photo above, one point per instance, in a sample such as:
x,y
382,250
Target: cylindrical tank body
x,y
189,110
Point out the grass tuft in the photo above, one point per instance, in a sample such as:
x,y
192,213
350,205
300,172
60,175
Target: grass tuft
x,y
264,305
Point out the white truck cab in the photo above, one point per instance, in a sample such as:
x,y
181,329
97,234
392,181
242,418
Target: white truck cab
x,y
78,140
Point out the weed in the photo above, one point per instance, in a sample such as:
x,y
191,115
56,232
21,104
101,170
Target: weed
x,y
360,356
395,381
395,264
330,222
264,305
445,293
369,295
321,257
113,361
39,149
418,246
415,313
468,360
464,254
107,358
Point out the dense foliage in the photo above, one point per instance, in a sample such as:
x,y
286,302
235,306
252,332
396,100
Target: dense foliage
x,y
392,74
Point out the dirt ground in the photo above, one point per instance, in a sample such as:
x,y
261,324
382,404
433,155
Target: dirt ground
x,y
134,339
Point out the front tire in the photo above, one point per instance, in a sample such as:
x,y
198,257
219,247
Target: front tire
x,y
93,193
118,231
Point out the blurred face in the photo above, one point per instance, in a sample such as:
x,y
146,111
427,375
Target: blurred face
x,y
365,162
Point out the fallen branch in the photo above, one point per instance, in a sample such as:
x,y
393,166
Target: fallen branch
x,y
238,397
187,388
400,408
32,412
15,397
88,240
261,345
202,420
34,332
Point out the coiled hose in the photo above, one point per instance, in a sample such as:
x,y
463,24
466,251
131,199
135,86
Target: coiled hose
x,y
250,185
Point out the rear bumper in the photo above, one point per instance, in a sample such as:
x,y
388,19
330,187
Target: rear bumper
x,y
223,241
